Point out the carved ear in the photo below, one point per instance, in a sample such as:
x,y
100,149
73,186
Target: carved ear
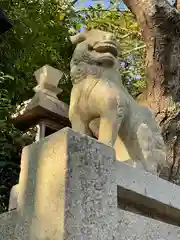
x,y
79,37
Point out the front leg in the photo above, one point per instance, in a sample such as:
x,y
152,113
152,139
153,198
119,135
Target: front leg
x,y
94,126
110,125
79,125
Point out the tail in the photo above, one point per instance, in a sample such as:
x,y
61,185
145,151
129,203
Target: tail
x,y
145,139
153,149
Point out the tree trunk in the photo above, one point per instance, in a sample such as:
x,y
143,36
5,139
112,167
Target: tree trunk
x,y
160,26
177,4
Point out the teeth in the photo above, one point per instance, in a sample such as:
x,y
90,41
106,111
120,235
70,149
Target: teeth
x,y
106,47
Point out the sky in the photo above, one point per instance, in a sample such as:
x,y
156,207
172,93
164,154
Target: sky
x,y
86,3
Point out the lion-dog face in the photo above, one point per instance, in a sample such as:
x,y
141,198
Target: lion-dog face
x,y
94,47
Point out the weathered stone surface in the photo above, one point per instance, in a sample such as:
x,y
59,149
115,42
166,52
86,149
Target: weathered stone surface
x,y
69,189
70,174
44,105
8,225
130,227
41,107
135,227
13,200
101,105
12,228
48,79
152,195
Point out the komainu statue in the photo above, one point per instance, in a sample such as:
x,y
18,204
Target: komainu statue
x,y
101,106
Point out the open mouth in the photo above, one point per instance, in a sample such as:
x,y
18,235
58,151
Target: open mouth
x,y
106,47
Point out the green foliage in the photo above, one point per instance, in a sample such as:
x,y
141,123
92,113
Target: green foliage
x,y
39,37
11,142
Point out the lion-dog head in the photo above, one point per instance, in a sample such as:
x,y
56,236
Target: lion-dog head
x,y
95,52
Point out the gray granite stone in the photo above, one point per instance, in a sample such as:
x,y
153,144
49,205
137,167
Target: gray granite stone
x,y
135,227
155,195
69,189
8,225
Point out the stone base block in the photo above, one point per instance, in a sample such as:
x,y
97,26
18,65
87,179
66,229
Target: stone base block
x,y
72,187
67,189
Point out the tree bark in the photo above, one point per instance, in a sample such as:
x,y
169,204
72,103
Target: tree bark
x,y
160,26
177,5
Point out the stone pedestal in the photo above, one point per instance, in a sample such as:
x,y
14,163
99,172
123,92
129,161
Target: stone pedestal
x,y
72,187
66,188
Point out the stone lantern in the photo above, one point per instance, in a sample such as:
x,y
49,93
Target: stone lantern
x,y
44,110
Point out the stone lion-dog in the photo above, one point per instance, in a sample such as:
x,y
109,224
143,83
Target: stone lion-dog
x,y
101,106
